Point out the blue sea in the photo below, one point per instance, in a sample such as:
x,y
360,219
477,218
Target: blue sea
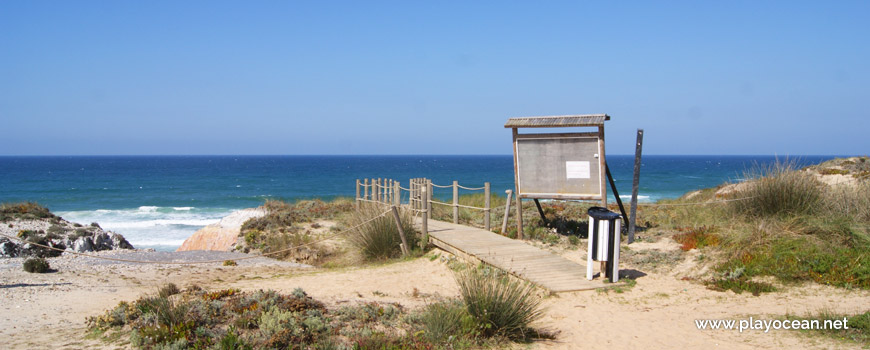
x,y
158,201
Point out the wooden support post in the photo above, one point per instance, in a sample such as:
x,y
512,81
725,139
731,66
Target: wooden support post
x,y
380,190
541,212
425,224
507,211
486,218
455,202
356,198
634,186
616,195
397,194
520,217
602,166
401,231
365,188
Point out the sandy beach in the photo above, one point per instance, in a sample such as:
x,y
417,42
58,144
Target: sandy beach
x,y
659,312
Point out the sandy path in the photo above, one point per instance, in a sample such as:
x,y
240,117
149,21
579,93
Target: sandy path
x,y
49,310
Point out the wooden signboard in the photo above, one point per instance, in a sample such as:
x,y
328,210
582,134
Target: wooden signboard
x,y
559,166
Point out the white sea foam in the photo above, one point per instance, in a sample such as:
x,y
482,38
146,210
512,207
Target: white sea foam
x,y
150,226
640,198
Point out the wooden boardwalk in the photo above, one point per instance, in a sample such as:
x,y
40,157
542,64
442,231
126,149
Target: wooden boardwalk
x,y
532,264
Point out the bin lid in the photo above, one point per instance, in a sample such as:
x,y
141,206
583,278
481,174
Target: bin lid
x,y
602,213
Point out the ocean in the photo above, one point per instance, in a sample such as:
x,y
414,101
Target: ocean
x,y
158,201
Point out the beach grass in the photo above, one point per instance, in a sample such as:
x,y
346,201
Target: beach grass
x,y
377,236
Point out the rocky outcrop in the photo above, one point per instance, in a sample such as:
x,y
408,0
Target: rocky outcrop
x,y
32,234
223,234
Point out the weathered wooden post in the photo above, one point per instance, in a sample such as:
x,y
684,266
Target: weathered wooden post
x,y
401,231
455,202
414,203
425,224
486,206
365,188
520,234
507,211
373,196
634,186
429,193
356,198
397,193
380,190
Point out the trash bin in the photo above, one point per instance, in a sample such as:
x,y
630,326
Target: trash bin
x,y
604,232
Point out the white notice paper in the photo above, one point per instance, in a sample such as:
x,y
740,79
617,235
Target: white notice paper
x,y
577,170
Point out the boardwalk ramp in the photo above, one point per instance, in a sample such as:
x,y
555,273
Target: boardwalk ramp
x,y
527,262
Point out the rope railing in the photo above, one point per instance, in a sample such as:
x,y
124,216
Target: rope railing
x,y
326,238
471,188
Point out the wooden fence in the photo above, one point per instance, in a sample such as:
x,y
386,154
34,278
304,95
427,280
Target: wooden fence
x,y
418,197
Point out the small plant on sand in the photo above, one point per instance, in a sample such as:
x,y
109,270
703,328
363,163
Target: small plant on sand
x,y
447,320
36,265
376,235
167,290
696,237
230,263
500,306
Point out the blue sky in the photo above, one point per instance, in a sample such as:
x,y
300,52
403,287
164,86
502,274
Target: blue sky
x,y
410,77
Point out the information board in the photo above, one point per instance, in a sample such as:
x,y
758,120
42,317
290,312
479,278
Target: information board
x,y
559,166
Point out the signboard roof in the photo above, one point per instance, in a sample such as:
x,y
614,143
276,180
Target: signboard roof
x,y
557,121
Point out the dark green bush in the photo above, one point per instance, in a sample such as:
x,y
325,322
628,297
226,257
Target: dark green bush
x,y
36,265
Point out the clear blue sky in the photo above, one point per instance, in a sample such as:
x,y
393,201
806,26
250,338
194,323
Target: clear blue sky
x,y
415,77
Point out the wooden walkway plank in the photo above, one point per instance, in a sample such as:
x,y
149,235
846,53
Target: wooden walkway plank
x,y
527,262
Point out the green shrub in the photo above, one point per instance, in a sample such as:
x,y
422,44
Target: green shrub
x,y
446,319
231,341
230,263
36,265
500,306
379,239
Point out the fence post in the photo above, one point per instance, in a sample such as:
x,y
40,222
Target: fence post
x,y
429,196
365,188
401,231
507,211
356,198
372,194
397,194
425,224
413,197
486,206
455,202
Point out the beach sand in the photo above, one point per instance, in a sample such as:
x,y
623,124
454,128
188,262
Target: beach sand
x,y
49,310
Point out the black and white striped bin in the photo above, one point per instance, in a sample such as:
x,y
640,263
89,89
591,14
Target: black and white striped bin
x,y
604,232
